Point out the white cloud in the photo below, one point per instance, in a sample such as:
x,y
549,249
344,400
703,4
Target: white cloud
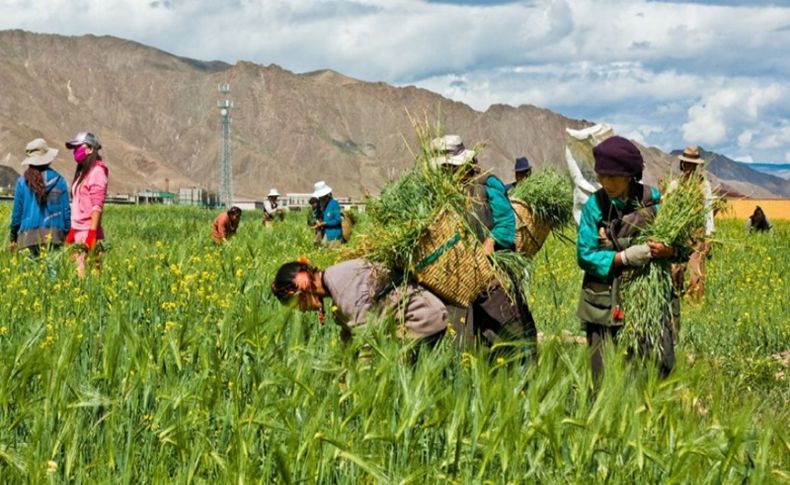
x,y
663,71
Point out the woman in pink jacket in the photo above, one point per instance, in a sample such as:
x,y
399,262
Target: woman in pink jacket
x,y
88,191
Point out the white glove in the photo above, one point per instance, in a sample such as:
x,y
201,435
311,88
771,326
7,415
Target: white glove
x,y
636,256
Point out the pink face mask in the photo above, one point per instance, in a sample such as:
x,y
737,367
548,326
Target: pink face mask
x,y
80,153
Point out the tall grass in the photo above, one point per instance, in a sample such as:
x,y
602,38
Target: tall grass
x,y
176,365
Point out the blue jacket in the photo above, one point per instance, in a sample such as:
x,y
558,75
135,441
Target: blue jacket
x,y
28,215
333,220
502,215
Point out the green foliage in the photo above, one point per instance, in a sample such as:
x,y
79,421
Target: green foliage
x,y
549,195
647,293
176,365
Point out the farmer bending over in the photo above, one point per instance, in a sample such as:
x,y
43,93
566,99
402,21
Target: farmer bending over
x,y
359,288
225,225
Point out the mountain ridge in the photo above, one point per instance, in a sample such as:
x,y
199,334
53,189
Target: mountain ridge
x,y
156,114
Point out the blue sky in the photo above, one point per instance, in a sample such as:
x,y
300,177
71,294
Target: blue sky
x,y
665,73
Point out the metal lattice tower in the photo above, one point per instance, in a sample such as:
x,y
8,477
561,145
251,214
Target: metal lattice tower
x,y
225,188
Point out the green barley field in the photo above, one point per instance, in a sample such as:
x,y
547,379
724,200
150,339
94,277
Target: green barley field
x,y
176,365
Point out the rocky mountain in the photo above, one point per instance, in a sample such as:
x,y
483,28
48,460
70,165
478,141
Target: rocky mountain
x,y
157,116
742,177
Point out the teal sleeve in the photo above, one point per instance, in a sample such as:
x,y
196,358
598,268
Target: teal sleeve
x,y
591,258
502,215
656,195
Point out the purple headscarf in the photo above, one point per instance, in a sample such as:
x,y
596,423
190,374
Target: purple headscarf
x,y
616,156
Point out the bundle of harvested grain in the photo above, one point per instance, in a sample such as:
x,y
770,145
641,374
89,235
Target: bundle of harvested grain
x,y
421,227
542,202
647,292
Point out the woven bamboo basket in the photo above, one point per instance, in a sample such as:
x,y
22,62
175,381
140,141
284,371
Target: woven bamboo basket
x,y
531,232
347,227
451,263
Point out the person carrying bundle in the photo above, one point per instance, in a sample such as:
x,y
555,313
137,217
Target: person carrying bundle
x,y
522,171
610,220
690,162
360,289
494,316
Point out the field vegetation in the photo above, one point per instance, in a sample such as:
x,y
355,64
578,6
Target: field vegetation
x,y
175,364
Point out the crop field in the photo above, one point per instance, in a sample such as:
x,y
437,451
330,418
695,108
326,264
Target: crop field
x,y
175,364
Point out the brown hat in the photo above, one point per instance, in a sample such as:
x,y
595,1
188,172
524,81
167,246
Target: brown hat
x,y
691,155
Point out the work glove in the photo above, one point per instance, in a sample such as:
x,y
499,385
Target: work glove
x,y
636,256
90,241
70,236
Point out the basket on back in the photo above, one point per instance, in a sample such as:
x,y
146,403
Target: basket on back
x,y
450,262
531,232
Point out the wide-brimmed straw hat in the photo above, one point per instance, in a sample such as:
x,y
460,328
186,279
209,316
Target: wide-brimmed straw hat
x,y
273,193
321,189
452,151
39,153
84,137
691,154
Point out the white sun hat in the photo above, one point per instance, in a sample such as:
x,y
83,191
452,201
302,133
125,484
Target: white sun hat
x,y
321,189
451,151
273,193
39,153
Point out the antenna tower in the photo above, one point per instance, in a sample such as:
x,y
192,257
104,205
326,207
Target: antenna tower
x,y
225,171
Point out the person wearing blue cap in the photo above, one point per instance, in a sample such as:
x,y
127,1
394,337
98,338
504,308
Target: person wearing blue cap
x,y
522,169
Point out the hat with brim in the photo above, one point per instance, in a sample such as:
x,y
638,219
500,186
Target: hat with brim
x,y
273,193
522,165
39,153
691,154
451,151
321,189
83,138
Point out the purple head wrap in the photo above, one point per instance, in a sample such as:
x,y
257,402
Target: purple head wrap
x,y
616,156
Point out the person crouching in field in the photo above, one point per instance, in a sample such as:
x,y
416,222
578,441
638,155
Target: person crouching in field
x,y
225,225
758,222
41,217
88,192
494,317
610,219
359,289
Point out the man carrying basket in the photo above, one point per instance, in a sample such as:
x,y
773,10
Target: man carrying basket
x,y
493,317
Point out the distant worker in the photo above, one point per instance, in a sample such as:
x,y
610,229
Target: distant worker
x,y
272,209
690,162
522,171
331,221
88,192
358,289
313,216
757,222
225,225
41,217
